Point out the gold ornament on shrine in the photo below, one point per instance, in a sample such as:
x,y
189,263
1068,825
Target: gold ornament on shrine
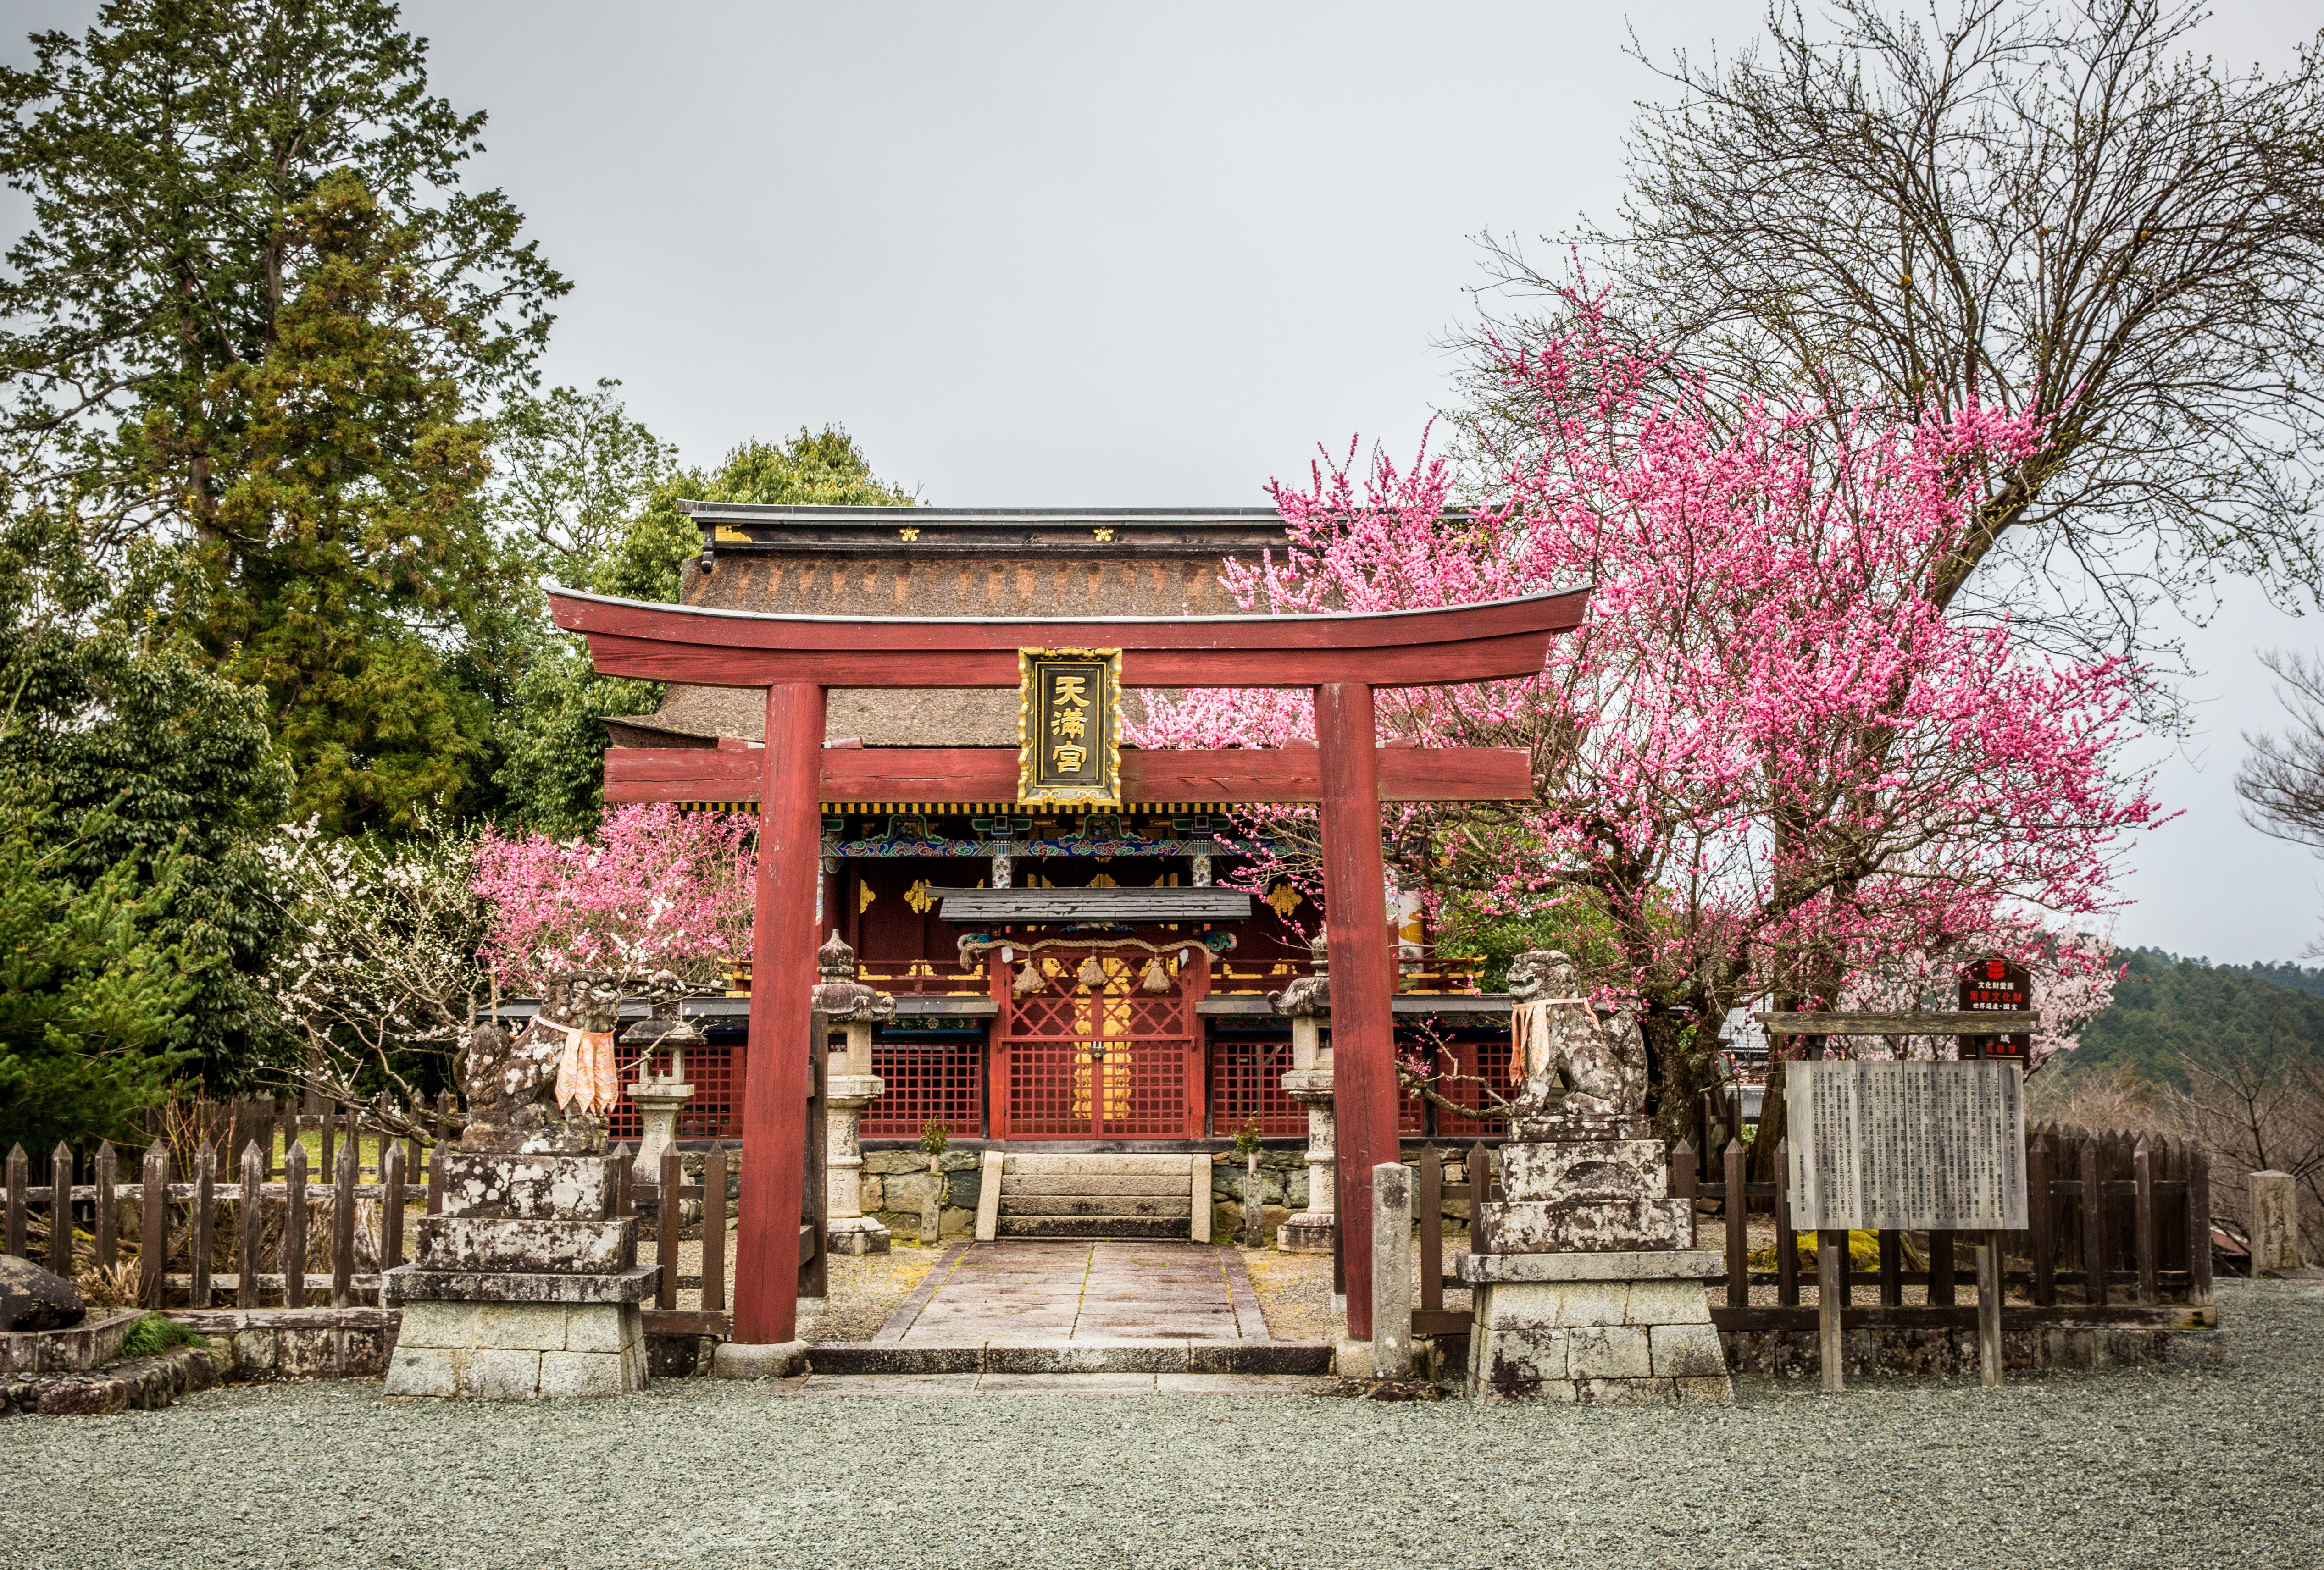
x,y
1069,727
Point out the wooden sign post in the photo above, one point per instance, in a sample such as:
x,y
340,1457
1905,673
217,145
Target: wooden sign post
x,y
1901,1144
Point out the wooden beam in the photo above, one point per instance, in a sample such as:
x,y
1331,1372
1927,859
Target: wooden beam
x,y
1971,1023
937,775
680,643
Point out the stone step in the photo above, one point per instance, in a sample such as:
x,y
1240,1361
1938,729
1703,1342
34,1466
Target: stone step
x,y
1100,1205
1015,1183
1122,1165
1166,1226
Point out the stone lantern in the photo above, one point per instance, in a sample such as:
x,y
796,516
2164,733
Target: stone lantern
x,y
660,1097
849,1086
1308,1004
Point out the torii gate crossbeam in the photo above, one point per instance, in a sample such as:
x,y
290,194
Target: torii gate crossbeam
x,y
796,658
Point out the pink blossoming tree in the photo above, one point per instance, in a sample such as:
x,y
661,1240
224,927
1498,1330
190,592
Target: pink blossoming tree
x,y
652,888
1767,762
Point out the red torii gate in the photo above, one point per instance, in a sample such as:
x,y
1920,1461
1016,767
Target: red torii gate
x,y
1342,657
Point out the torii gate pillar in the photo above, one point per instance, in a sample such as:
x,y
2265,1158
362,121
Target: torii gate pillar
x,y
1363,982
783,1003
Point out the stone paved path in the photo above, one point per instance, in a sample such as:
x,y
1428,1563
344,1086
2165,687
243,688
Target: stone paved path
x,y
1026,1292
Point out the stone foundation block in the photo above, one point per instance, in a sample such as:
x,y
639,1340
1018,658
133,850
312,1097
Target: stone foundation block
x,y
1627,1168
424,1371
1667,1302
1626,1392
496,1242
499,1376
740,1360
1594,1303
610,1327
586,1374
1609,1352
519,1327
533,1188
1586,1226
1718,1392
859,1235
1305,1233
1687,1352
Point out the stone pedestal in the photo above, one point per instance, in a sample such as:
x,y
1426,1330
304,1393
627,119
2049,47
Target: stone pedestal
x,y
659,1101
1618,1328
1308,1002
527,1285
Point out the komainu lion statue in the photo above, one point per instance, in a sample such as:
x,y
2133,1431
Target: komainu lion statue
x,y
1577,1069
546,1091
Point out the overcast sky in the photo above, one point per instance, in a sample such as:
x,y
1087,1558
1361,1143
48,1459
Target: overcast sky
x,y
1140,256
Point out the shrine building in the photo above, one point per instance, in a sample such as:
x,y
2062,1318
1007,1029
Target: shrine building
x,y
1142,1022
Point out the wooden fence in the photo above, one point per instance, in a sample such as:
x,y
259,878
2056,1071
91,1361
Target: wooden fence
x,y
2119,1233
281,1273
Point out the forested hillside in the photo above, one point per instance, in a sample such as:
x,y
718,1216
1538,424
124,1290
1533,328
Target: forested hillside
x,y
2165,1006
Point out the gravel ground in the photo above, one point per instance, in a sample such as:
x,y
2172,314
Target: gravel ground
x,y
1294,1291
2158,1467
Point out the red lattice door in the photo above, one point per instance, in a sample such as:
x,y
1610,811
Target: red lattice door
x,y
1098,1046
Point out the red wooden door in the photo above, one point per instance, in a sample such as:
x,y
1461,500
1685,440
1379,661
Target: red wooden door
x,y
1102,1047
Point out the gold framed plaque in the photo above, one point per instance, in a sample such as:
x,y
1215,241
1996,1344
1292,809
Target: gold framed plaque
x,y
1069,727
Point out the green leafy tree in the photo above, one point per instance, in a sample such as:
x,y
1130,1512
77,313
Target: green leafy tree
x,y
250,316
91,1003
554,741
148,765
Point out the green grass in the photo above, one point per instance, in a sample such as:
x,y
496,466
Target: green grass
x,y
155,1334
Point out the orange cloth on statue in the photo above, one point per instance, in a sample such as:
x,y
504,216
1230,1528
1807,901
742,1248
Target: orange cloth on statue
x,y
586,1076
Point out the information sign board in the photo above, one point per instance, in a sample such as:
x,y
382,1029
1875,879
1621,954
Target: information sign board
x,y
1996,983
1933,1145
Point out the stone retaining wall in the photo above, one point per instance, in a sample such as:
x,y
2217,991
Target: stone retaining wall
x,y
1796,1354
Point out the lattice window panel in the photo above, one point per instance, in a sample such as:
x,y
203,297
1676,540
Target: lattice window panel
x,y
1490,1060
927,1083
715,1112
1247,1078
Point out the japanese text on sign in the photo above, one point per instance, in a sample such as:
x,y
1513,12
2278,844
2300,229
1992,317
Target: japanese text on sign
x,y
1906,1144
1069,749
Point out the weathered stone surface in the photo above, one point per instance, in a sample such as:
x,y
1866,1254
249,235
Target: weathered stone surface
x,y
145,1383
1666,1302
1626,1392
533,1188
85,1346
1593,1169
423,1371
1663,1264
33,1299
522,1326
859,1235
545,1246
1687,1352
1306,1232
586,1373
499,1376
2274,1222
1593,1302
1718,1392
736,1360
408,1284
1587,1226
1609,1352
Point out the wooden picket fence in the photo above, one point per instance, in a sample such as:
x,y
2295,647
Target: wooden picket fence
x,y
2119,1233
402,1174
